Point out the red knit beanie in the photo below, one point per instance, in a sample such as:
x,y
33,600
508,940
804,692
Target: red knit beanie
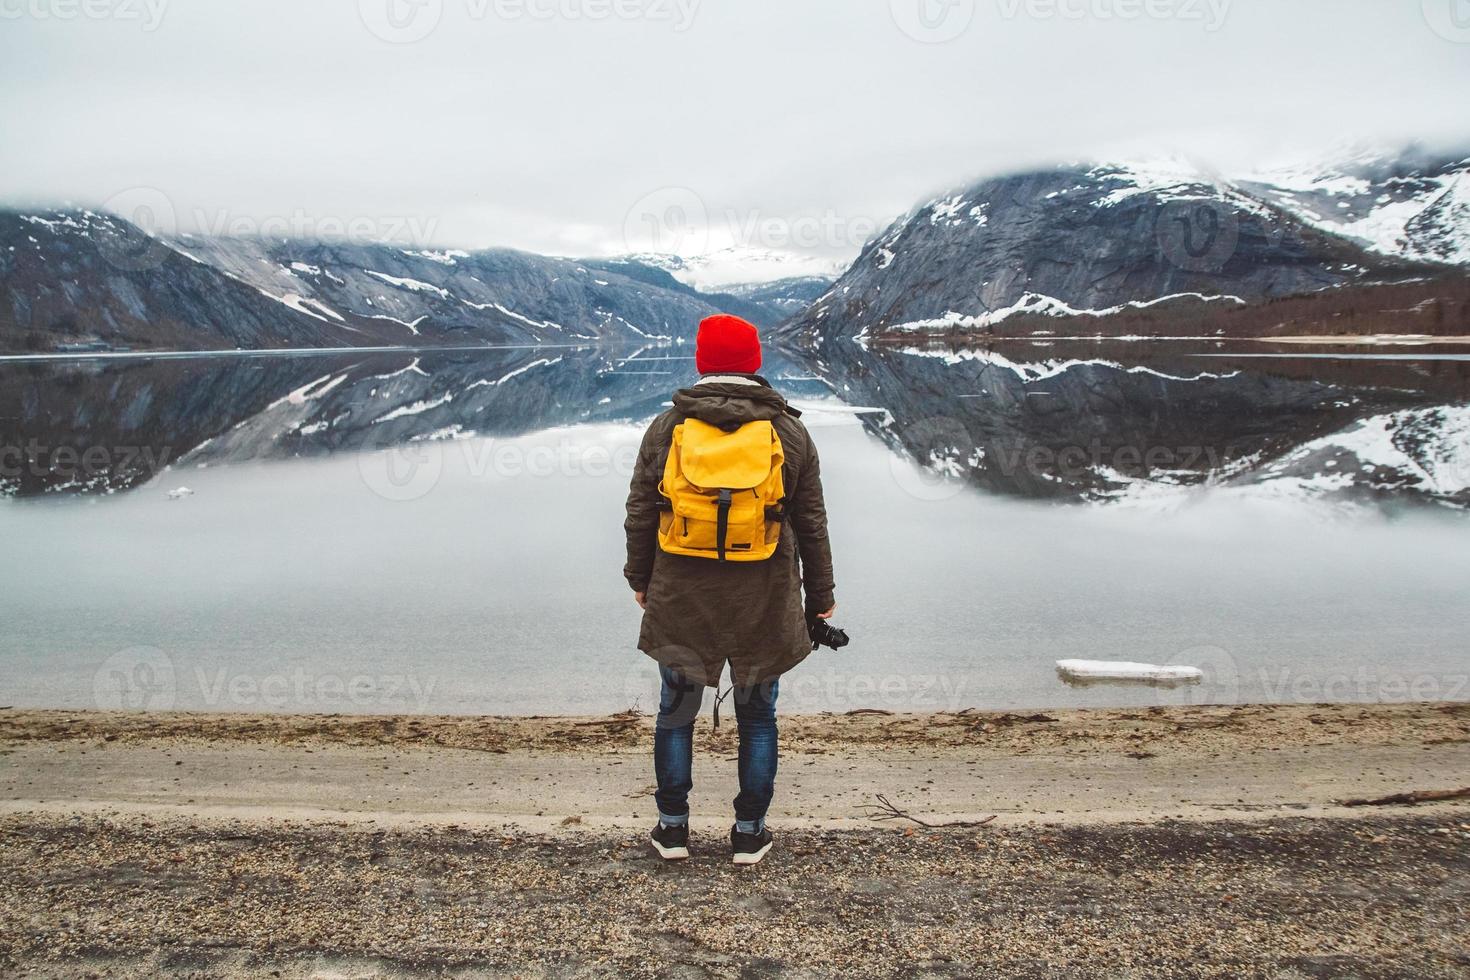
x,y
727,345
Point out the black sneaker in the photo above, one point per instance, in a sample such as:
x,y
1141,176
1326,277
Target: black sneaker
x,y
672,843
749,848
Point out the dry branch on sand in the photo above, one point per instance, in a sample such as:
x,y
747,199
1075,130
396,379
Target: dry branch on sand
x,y
884,810
1418,796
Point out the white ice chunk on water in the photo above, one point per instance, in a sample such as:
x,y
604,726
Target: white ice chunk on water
x,y
1122,670
180,493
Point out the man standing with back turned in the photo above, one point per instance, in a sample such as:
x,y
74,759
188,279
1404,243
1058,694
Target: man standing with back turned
x,y
726,524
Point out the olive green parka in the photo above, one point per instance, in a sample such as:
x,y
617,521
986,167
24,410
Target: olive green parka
x,y
699,613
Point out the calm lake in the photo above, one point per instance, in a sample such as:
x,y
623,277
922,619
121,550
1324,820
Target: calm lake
x,y
441,532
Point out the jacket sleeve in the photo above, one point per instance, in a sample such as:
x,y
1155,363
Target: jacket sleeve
x,y
808,518
642,520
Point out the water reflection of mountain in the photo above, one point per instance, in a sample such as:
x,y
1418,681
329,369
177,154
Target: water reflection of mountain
x,y
1059,422
100,426
1092,421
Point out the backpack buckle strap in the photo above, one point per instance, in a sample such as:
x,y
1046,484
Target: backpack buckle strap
x,y
722,521
777,514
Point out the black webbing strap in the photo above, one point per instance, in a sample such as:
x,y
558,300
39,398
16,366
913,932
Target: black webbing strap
x,y
722,522
777,514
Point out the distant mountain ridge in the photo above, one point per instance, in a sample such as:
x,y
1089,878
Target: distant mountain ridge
x,y
83,276
743,267
1087,239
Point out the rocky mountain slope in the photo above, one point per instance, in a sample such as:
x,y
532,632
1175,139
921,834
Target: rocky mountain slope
x,y
1096,239
79,276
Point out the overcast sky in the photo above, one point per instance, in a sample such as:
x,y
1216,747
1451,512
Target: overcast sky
x,y
595,126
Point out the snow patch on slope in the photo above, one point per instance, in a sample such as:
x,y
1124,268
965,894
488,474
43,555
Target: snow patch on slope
x,y
1045,306
416,285
1029,371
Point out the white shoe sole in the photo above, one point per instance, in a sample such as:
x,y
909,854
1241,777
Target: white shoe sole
x,y
754,858
670,853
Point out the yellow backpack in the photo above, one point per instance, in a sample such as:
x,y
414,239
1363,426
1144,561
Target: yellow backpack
x,y
723,492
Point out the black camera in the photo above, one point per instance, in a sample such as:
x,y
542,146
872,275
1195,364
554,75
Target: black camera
x,y
824,634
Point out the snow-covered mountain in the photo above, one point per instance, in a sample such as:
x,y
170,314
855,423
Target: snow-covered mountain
x,y
80,276
1411,203
1089,239
789,296
738,267
1161,245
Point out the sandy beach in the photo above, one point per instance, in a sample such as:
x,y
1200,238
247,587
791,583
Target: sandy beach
x,y
1125,842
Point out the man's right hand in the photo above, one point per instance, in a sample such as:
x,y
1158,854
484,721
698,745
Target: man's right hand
x,y
642,599
828,613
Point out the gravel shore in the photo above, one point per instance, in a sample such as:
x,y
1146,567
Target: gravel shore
x,y
1376,897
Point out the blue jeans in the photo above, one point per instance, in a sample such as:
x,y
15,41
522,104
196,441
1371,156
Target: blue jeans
x,y
673,749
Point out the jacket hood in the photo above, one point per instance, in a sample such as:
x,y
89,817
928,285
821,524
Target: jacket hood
x,y
730,406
